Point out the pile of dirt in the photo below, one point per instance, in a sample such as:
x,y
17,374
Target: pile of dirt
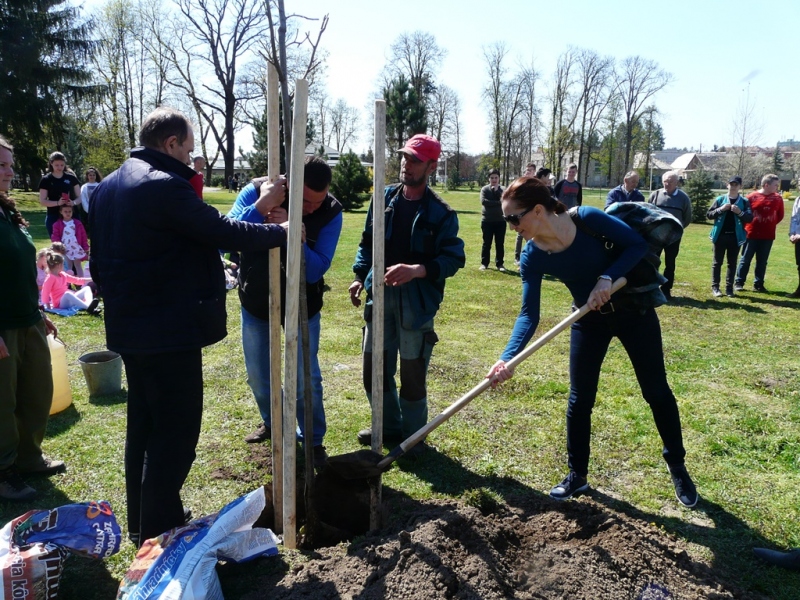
x,y
536,549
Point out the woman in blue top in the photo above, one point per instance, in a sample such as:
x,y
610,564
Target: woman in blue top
x,y
580,261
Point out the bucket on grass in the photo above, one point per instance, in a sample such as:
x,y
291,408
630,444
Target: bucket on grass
x,y
62,395
103,372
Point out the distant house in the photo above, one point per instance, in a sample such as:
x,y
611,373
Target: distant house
x,y
240,165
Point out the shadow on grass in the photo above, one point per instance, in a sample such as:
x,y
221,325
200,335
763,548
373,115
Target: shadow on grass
x,y
109,399
63,421
712,304
729,539
773,299
78,571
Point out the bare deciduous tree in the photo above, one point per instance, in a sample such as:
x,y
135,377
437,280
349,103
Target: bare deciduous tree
x,y
638,80
207,43
344,123
417,56
594,74
494,56
531,112
563,110
746,132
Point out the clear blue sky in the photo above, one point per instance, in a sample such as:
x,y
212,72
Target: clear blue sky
x,y
712,47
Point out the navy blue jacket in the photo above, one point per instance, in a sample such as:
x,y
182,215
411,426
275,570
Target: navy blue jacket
x,y
618,195
154,256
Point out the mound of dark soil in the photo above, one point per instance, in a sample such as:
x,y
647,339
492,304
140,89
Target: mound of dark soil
x,y
537,549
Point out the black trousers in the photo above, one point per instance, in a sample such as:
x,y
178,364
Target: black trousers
x,y
670,254
165,408
725,248
493,232
640,334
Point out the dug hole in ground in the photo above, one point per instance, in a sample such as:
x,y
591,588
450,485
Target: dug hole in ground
x,y
524,545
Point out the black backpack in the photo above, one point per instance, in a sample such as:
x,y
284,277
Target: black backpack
x,y
659,229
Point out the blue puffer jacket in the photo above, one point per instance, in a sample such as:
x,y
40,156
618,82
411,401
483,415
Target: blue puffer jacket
x,y
154,256
434,244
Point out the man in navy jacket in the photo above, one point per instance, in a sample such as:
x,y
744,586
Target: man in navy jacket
x,y
626,191
154,256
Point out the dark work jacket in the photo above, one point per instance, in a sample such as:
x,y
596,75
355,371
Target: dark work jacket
x,y
254,266
154,256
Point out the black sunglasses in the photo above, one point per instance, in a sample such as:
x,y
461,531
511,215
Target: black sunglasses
x,y
514,219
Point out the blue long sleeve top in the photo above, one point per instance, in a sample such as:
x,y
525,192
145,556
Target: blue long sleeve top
x,y
577,266
318,259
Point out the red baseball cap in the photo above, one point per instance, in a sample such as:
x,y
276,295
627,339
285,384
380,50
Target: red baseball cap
x,y
423,147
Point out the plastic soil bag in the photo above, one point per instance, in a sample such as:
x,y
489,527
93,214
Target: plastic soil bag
x,y
33,547
181,563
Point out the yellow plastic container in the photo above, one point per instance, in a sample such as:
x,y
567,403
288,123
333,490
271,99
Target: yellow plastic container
x,y
62,394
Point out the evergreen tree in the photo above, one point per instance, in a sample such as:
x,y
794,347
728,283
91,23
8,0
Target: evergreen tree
x,y
45,49
700,189
350,181
777,161
405,113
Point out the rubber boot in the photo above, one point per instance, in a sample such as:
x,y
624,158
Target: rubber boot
x,y
415,416
392,417
796,293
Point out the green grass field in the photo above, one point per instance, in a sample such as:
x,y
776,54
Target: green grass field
x,y
733,364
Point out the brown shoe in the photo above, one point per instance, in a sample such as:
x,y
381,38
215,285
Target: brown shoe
x,y
262,434
12,486
47,467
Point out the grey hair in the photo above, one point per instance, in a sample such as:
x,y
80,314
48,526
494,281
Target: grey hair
x,y
630,174
671,175
769,178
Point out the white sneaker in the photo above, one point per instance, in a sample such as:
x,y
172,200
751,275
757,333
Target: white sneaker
x,y
483,268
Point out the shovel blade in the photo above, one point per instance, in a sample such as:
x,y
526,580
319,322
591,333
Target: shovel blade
x,y
361,464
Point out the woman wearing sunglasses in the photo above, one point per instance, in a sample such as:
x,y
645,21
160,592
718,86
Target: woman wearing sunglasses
x,y
581,262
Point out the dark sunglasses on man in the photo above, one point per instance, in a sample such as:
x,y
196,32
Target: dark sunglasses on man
x,y
514,219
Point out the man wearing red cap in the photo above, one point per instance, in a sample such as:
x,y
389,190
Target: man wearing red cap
x,y
422,250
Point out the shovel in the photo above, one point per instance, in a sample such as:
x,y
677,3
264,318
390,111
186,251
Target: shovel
x,y
366,463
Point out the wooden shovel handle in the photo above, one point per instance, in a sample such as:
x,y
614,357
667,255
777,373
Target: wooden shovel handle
x,y
486,382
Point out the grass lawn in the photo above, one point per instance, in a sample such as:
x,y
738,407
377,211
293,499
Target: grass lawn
x,y
733,364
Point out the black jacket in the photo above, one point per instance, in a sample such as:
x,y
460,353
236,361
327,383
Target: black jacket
x,y
154,256
254,266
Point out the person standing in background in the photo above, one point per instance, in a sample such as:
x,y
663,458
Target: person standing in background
x,y
493,226
569,191
675,201
767,207
58,188
198,181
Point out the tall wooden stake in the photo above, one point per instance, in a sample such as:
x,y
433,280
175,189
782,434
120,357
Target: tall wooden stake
x,y
293,249
378,268
273,171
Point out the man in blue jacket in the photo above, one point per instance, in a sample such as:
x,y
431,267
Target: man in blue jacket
x,y
322,219
422,250
627,191
155,258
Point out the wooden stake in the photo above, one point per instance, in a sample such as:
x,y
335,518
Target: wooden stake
x,y
378,269
273,171
293,249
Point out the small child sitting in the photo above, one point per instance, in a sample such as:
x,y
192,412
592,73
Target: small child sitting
x,y
41,270
55,293
72,234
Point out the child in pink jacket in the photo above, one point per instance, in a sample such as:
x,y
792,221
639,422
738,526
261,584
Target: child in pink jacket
x,y
55,292
72,234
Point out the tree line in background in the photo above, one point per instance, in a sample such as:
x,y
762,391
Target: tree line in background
x,y
83,86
